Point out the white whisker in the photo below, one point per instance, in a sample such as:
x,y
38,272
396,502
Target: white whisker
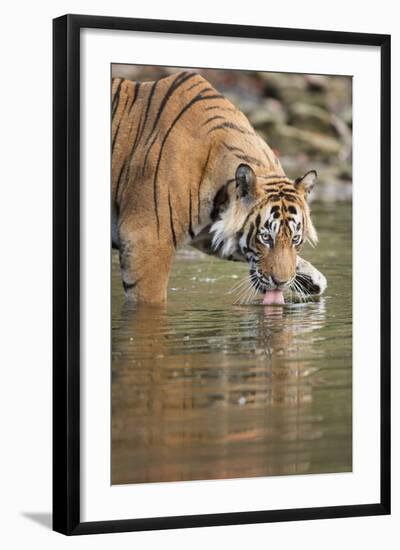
x,y
243,292
238,284
253,294
299,291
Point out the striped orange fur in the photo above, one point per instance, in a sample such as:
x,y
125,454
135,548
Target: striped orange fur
x,y
177,144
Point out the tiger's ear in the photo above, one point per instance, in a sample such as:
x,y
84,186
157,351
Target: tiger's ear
x,y
307,182
245,180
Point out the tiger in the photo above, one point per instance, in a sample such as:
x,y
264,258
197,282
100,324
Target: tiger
x,y
189,168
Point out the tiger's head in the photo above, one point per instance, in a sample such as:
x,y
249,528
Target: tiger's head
x,y
266,220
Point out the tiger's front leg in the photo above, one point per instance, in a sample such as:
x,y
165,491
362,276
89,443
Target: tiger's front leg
x,y
145,267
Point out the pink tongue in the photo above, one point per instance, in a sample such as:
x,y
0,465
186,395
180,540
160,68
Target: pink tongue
x,y
274,296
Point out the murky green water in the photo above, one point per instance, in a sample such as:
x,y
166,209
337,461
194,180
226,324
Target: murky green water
x,y
205,389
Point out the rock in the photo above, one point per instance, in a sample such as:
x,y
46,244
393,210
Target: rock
x,y
347,116
334,180
287,88
333,190
245,104
317,82
268,113
311,117
339,93
292,140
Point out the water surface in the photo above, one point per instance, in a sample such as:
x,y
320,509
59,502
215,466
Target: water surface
x,y
204,389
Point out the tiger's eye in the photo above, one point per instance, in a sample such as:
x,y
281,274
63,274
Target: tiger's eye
x,y
296,239
266,238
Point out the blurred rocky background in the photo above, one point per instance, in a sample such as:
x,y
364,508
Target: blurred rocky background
x,y
306,119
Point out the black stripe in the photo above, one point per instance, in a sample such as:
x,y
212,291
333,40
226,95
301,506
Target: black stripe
x,y
146,114
133,148
148,152
208,89
116,97
137,89
213,118
180,79
136,140
190,229
290,198
197,98
220,198
283,179
248,159
119,122
249,235
233,148
171,221
231,126
267,156
211,107
141,125
270,188
119,181
115,135
258,220
194,85
128,286
200,182
249,214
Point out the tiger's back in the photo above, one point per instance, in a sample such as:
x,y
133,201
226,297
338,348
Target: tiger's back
x,y
167,137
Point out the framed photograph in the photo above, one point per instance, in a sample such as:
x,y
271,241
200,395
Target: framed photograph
x,y
221,274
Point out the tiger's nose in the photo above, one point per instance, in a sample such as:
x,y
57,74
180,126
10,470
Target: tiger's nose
x,y
278,282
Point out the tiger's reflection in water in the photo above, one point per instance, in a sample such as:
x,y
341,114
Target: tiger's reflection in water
x,y
211,394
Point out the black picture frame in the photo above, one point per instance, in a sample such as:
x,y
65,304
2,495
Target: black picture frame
x,y
66,273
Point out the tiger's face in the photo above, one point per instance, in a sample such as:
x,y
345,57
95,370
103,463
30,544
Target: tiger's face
x,y
266,222
270,241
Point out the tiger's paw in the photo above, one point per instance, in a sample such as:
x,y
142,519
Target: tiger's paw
x,y
309,279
